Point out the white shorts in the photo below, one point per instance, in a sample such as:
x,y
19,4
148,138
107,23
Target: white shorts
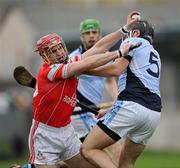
x,y
130,119
49,145
83,123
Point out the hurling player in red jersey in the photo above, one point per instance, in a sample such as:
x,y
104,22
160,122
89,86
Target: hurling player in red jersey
x,y
52,137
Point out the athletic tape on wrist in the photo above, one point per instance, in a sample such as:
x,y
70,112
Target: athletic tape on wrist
x,y
124,30
119,54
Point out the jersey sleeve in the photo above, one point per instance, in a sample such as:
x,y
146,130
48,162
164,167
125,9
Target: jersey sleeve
x,y
59,71
56,72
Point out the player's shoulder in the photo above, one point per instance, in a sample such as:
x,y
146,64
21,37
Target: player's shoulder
x,y
74,53
46,68
133,40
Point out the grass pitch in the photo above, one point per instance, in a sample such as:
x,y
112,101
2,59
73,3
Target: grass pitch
x,y
149,159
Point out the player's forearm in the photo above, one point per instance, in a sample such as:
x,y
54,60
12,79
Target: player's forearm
x,y
94,61
108,70
104,44
109,40
101,59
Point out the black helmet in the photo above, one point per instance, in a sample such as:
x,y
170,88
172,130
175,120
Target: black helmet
x,y
146,30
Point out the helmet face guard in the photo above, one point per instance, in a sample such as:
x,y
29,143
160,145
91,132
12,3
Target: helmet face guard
x,y
89,24
146,30
45,43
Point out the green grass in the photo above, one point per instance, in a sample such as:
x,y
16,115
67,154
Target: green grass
x,y
7,164
149,159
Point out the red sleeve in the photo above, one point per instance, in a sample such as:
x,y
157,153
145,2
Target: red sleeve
x,y
54,72
58,71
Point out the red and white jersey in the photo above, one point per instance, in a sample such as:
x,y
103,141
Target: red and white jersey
x,y
55,95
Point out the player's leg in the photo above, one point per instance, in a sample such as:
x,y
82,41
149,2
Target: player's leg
x,y
91,148
78,162
83,124
28,165
46,166
114,151
141,128
49,145
62,164
129,153
71,153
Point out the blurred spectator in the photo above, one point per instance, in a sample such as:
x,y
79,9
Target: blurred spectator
x,y
17,146
5,102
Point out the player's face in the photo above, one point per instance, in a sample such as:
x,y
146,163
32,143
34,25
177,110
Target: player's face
x,y
56,54
134,33
89,38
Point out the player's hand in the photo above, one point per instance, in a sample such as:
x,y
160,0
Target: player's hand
x,y
15,166
131,21
126,47
101,113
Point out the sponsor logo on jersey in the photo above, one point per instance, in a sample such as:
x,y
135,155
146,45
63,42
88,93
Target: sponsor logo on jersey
x,y
70,100
40,156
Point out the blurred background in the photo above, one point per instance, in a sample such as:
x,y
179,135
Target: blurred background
x,y
22,22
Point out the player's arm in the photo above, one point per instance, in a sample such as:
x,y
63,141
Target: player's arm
x,y
111,87
108,70
120,64
95,61
111,39
76,67
79,67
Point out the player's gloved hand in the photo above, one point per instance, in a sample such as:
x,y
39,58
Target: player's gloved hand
x,y
15,166
130,22
126,47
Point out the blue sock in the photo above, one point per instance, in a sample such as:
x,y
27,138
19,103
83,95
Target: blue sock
x,y
28,165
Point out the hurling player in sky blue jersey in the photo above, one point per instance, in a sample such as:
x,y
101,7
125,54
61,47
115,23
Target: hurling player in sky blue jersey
x,y
136,113
90,88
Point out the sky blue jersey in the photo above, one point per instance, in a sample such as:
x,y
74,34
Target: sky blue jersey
x,y
141,80
91,87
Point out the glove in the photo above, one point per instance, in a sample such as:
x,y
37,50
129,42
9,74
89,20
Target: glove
x,y
126,48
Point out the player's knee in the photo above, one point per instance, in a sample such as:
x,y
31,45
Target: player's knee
x,y
84,152
62,164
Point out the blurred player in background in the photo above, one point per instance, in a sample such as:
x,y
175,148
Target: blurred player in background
x,y
136,113
90,88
